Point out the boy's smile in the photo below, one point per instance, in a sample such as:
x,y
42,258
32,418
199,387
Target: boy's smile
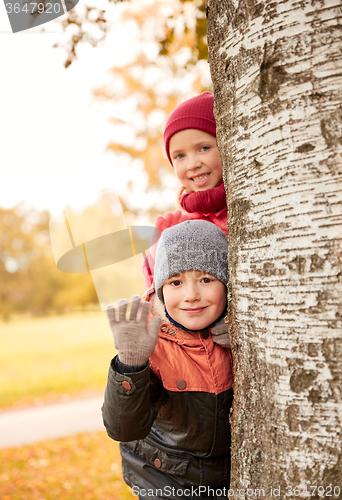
x,y
196,159
194,299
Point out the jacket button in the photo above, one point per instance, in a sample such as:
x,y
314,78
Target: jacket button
x,y
126,385
157,463
181,385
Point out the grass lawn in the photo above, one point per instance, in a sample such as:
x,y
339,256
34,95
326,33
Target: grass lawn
x,y
81,467
49,359
52,358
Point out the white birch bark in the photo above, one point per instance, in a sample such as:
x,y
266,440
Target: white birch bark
x,y
277,73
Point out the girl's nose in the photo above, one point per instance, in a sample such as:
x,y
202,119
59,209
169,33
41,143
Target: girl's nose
x,y
193,162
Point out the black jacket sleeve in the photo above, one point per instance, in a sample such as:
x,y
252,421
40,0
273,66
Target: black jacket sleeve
x,y
122,368
129,408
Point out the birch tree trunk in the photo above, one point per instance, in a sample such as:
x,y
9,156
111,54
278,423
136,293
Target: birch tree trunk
x,y
277,73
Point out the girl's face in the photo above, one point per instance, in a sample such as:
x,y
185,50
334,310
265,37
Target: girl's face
x,y
194,299
196,159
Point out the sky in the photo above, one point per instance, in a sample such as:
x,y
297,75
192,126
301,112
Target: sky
x,y
53,133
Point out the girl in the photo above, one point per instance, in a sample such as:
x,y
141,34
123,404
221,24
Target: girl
x,y
190,145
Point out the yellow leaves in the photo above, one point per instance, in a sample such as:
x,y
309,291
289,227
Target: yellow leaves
x,y
132,85
113,146
51,479
84,466
42,462
188,39
141,13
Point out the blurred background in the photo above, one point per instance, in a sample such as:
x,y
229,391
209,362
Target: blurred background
x,y
83,102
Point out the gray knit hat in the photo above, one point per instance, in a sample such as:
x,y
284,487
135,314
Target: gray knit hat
x,y
192,245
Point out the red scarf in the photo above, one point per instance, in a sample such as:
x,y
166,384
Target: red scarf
x,y
210,200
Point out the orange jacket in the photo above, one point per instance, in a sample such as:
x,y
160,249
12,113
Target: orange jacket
x,y
172,417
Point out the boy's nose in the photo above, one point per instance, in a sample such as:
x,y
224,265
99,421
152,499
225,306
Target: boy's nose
x,y
192,294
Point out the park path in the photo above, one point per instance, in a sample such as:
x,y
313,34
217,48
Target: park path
x,y
51,421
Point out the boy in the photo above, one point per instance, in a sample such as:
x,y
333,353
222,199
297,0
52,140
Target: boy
x,y
190,145
169,390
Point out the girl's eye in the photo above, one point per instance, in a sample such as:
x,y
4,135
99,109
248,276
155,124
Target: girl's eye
x,y
205,148
179,156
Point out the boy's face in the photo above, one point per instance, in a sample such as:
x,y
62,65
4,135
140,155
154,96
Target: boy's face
x,y
194,299
196,159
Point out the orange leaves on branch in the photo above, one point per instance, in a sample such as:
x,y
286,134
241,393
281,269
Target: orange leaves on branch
x,y
164,43
169,23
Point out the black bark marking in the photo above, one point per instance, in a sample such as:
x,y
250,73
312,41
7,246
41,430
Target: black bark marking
x,y
315,396
297,264
331,128
292,413
302,379
271,77
305,148
246,11
258,164
330,474
313,350
317,263
268,269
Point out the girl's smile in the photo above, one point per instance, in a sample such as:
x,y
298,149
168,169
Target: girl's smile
x,y
196,159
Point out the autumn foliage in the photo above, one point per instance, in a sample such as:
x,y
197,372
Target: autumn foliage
x,y
85,466
29,278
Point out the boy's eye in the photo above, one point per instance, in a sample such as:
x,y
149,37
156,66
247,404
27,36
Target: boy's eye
x,y
207,280
175,283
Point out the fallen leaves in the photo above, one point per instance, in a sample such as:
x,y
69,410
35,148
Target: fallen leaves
x,y
81,467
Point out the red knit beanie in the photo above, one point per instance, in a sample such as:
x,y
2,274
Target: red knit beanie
x,y
196,112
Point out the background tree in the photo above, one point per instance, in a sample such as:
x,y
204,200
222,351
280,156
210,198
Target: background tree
x,y
166,62
88,24
29,279
167,65
276,70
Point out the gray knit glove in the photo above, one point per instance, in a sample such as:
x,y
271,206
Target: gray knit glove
x,y
220,333
133,338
